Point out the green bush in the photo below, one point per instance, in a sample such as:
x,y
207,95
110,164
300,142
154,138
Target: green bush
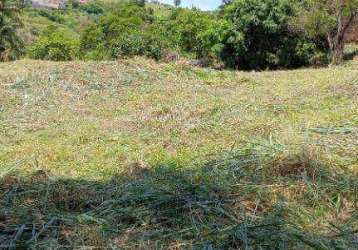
x,y
258,35
93,7
244,34
53,16
55,45
213,37
11,46
140,43
155,43
350,51
185,28
129,30
92,44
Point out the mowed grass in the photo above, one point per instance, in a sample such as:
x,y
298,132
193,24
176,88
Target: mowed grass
x,y
139,155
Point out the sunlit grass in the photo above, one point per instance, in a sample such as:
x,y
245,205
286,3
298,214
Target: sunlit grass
x,y
136,154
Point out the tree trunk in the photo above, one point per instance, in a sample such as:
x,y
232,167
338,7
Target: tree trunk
x,y
336,38
337,53
336,46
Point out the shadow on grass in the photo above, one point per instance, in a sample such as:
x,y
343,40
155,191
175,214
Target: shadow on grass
x,y
235,202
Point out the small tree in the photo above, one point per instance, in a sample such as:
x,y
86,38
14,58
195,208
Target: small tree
x,y
332,19
10,44
257,34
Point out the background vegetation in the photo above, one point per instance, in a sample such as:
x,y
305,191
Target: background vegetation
x,y
241,34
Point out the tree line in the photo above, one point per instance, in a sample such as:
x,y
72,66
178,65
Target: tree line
x,y
241,34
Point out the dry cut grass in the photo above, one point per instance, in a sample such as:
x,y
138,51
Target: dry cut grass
x,y
139,155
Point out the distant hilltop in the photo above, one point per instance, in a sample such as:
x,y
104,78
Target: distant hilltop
x,y
51,4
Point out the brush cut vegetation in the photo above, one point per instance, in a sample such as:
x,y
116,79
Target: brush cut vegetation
x,y
134,154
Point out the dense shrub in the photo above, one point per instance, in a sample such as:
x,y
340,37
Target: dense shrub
x,y
53,16
213,38
129,30
92,44
258,35
93,7
55,44
184,28
247,35
137,43
244,34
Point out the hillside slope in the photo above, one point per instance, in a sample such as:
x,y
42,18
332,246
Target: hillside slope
x,y
134,154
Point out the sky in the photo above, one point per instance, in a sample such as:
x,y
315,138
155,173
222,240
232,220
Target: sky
x,y
202,4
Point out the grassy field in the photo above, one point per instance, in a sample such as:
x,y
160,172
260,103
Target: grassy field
x,y
139,155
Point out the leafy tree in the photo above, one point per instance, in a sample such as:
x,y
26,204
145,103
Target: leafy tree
x,y
185,27
213,39
332,19
256,34
10,44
